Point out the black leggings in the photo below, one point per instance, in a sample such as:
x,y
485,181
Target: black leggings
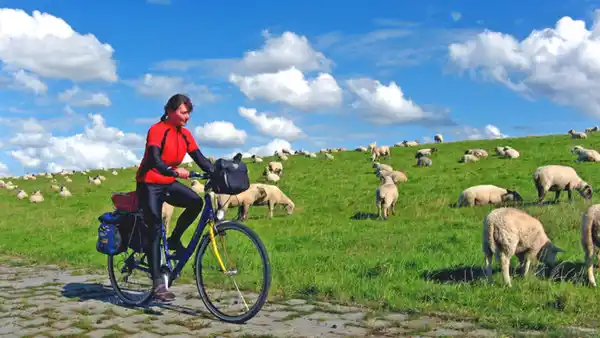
x,y
151,197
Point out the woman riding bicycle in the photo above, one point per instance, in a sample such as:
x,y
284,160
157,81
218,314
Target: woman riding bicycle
x,y
166,145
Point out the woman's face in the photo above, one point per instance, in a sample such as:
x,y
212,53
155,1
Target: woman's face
x,y
179,116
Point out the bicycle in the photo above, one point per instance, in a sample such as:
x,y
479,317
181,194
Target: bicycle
x,y
217,227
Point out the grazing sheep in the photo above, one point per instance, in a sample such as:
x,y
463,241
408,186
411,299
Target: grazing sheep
x,y
274,196
590,239
328,156
424,162
477,152
55,187
586,155
376,152
271,177
591,130
96,180
21,194
500,150
242,200
511,153
397,176
577,134
508,232
380,166
276,167
487,194
558,178
386,196
36,197
361,149
468,158
197,187
438,138
256,159
114,172
425,152
312,155
64,192
372,145
406,143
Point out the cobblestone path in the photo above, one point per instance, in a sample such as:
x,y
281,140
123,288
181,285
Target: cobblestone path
x,y
45,301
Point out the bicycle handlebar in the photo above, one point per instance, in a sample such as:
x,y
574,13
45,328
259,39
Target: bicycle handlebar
x,y
195,174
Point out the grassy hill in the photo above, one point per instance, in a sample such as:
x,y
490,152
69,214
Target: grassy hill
x,y
407,262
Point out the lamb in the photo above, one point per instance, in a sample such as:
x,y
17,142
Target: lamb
x,y
21,194
468,158
577,134
36,197
425,152
477,152
376,152
64,192
380,166
590,239
242,200
487,194
558,178
508,232
386,196
511,153
424,162
274,196
276,167
397,176
438,138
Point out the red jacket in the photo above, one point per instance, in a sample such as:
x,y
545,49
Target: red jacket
x,y
174,142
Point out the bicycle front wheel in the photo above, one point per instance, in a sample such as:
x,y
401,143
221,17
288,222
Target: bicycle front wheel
x,y
241,251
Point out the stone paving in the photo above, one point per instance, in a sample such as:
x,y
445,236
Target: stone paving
x,y
45,301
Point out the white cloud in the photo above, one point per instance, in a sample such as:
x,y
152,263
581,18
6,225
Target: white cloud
x,y
488,132
290,87
381,104
220,134
97,147
79,98
29,82
163,87
272,126
4,170
560,63
48,46
264,150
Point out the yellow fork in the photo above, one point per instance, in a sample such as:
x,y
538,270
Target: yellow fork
x,y
214,247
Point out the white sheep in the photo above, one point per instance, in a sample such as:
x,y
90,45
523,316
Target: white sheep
x,y
425,152
410,143
558,178
477,152
256,159
508,232
424,162
274,196
591,130
386,197
468,158
114,172
376,152
396,175
64,192
438,138
500,150
328,156
270,176
361,149
511,153
577,134
276,167
590,239
242,200
586,155
21,194
36,197
197,187
486,194
95,180
381,166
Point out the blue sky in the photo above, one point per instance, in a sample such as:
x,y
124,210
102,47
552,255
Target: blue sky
x,y
196,46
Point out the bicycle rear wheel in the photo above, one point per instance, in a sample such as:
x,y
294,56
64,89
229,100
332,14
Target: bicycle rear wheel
x,y
128,276
212,294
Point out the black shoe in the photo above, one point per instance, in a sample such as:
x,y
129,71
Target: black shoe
x,y
175,245
161,293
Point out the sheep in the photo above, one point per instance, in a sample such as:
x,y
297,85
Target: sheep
x,y
256,159
242,200
380,166
511,153
372,145
283,157
312,155
590,239
438,138
271,177
36,197
424,162
397,176
361,149
114,172
274,196
468,158
586,155
577,134
425,152
380,151
64,192
197,187
500,151
21,194
558,178
55,187
96,180
328,156
487,194
591,130
386,196
508,232
477,152
276,167
166,214
102,178
410,143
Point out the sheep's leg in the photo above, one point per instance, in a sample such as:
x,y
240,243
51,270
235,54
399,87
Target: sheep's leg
x,y
394,208
570,194
589,264
379,209
556,196
505,263
489,257
522,259
385,211
271,207
541,192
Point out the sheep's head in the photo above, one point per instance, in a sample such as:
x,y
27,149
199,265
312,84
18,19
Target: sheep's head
x,y
586,191
433,150
290,208
512,196
548,253
571,131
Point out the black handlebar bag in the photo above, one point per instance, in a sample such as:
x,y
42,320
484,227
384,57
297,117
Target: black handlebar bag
x,y
230,176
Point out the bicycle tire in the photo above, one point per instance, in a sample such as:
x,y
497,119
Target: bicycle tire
x,y
240,319
119,292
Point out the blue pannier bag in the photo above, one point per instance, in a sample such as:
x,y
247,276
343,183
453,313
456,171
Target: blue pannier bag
x,y
132,230
109,239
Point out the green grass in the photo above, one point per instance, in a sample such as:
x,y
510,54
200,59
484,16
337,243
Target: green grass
x,y
322,251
